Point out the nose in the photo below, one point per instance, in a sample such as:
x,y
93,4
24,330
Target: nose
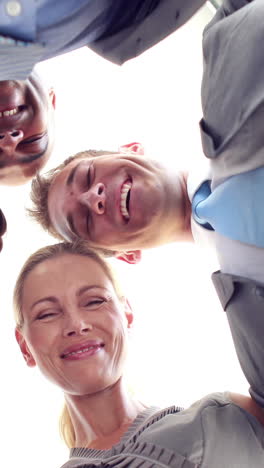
x,y
76,326
9,140
94,198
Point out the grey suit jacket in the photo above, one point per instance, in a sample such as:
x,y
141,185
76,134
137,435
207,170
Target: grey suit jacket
x,y
233,89
168,16
233,139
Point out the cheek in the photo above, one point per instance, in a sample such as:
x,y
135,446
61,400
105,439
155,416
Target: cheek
x,y
108,236
120,346
102,233
41,341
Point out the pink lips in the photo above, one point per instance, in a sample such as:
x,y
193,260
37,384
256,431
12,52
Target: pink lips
x,y
82,351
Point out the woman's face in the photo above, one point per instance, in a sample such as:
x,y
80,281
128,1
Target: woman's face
x,y
75,327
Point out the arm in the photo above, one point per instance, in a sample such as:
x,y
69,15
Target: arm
x,y
243,302
149,24
233,88
249,405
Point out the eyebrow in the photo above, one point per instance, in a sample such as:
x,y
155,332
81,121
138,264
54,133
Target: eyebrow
x,y
69,182
79,292
33,157
87,288
26,159
70,178
44,299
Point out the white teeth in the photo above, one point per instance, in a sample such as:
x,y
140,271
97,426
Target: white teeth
x,y
9,112
123,198
79,351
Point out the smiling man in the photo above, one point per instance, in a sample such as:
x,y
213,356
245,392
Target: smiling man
x,y
98,197
26,128
26,131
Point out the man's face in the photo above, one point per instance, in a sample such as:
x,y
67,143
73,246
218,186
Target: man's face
x,y
119,201
26,129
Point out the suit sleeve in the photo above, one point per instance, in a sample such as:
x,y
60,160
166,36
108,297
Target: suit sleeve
x,y
139,35
233,88
243,302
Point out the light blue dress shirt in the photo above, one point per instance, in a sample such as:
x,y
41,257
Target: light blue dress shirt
x,y
234,208
25,19
35,30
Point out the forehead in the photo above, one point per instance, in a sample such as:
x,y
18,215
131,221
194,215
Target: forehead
x,y
60,180
59,183
62,176
65,273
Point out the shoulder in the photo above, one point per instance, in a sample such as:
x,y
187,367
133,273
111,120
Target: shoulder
x,y
217,421
249,405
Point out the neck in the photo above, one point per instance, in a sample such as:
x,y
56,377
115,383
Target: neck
x,y
187,209
101,419
179,209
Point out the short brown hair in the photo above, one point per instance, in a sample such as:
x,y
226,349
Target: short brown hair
x,y
40,190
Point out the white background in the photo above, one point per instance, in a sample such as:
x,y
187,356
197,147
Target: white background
x,y
181,348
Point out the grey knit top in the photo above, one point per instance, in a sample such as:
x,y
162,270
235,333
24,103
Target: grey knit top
x,y
212,433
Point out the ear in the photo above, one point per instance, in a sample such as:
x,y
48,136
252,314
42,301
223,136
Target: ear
x,y
24,349
129,313
136,148
52,97
129,256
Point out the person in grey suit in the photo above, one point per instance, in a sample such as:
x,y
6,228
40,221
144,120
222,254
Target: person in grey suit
x,y
233,140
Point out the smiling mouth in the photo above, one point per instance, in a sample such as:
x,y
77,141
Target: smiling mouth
x,y
81,351
125,199
10,112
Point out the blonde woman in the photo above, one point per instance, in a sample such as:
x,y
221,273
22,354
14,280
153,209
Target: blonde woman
x,y
73,323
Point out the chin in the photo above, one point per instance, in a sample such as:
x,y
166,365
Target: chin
x,y
91,385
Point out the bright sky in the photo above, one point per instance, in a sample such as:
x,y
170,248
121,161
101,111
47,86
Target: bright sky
x,y
181,348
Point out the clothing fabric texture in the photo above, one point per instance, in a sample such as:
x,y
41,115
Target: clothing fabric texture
x,y
243,301
213,432
233,112
233,89
233,140
233,206
241,296
117,30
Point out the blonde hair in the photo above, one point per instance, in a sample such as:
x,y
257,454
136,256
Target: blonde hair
x,y
40,187
47,253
